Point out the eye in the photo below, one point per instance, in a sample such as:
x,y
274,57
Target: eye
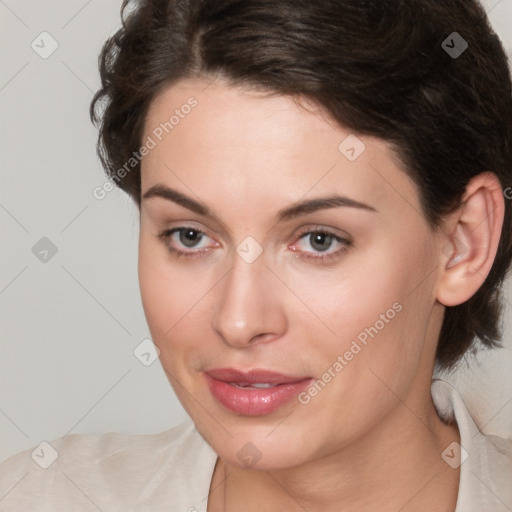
x,y
321,241
190,241
185,237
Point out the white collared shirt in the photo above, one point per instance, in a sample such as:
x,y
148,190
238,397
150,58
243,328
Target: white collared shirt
x,y
172,471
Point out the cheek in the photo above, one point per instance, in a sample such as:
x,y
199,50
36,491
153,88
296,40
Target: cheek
x,y
175,302
379,318
165,294
373,308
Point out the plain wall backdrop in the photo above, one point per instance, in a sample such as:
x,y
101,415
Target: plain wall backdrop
x,y
71,315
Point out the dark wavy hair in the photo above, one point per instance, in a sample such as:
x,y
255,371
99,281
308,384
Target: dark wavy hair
x,y
379,67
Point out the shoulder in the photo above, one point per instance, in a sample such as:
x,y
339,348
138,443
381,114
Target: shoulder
x,y
112,468
486,473
485,460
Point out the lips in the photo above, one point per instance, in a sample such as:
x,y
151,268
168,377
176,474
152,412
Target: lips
x,y
256,392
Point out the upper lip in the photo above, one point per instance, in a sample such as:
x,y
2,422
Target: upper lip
x,y
252,376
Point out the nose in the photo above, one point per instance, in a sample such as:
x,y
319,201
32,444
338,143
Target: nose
x,y
247,308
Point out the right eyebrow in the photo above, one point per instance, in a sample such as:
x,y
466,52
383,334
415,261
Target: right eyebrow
x,y
178,198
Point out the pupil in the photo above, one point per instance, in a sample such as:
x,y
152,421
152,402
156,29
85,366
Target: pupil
x,y
321,241
189,237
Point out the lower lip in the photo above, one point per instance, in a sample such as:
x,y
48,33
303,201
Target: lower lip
x,y
254,402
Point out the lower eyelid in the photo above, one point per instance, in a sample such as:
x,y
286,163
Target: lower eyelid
x,y
327,255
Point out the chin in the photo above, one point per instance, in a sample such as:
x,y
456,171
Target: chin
x,y
259,447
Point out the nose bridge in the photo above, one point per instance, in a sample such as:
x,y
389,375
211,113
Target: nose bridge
x,y
247,306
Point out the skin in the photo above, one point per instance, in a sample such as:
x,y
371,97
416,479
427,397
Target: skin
x,y
371,439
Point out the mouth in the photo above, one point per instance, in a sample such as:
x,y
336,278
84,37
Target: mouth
x,y
256,392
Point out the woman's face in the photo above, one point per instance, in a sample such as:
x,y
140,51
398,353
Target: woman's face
x,y
337,298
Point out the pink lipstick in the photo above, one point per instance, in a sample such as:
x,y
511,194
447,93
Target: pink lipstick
x,y
256,392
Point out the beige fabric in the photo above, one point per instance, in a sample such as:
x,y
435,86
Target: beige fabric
x,y
171,471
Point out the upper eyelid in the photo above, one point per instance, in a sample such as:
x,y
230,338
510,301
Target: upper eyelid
x,y
321,229
294,211
300,212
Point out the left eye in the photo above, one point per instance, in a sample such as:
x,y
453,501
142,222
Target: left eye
x,y
322,241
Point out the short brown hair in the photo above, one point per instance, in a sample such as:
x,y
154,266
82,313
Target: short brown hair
x,y
379,67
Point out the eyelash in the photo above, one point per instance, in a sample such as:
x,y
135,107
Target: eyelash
x,y
346,244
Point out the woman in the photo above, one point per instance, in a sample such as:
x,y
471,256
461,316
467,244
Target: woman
x,y
321,188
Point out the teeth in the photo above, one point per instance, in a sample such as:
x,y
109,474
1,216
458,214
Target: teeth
x,y
260,385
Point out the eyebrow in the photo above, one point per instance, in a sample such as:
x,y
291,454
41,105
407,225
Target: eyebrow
x,y
296,210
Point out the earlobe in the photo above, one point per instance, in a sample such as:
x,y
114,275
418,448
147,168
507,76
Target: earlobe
x,y
471,246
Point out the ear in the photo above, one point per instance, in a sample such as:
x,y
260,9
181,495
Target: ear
x,y
471,244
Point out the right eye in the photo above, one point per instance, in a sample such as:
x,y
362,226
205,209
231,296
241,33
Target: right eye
x,y
186,237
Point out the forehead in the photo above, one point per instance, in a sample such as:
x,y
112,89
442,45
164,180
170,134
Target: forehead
x,y
233,142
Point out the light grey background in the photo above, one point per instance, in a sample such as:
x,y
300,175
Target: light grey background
x,y
69,325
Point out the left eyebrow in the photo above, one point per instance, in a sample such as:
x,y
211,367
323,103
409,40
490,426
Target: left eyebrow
x,y
321,203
